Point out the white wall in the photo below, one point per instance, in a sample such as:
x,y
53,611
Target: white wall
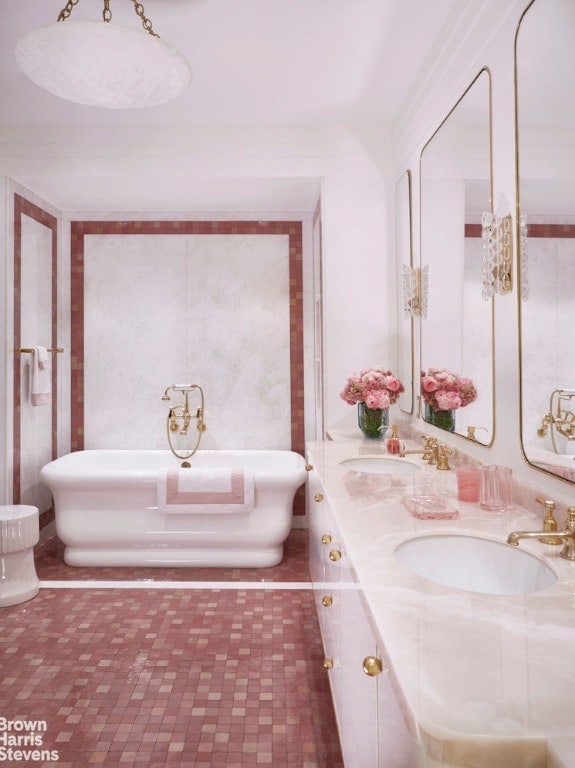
x,y
359,284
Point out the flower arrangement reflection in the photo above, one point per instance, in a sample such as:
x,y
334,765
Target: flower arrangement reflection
x,y
444,390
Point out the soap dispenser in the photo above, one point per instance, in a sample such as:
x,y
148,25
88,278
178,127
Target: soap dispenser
x,y
393,444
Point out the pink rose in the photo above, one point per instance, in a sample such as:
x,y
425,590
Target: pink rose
x,y
429,384
376,398
448,401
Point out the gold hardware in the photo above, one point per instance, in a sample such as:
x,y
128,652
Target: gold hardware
x,y
186,465
430,451
570,521
471,432
29,350
318,497
334,555
107,13
308,467
550,534
442,460
328,664
567,538
559,418
326,539
403,453
327,601
550,522
67,10
372,666
180,417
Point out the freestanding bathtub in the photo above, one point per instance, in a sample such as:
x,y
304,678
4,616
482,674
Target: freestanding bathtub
x,y
108,513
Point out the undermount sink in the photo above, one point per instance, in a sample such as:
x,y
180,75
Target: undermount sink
x,y
381,465
475,564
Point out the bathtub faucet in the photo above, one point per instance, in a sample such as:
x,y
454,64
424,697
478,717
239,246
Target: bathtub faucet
x,y
180,416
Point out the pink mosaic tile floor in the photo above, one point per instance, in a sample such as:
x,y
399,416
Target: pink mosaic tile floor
x,y
151,676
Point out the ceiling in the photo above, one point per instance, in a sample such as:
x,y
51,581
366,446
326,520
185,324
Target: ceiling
x,y
258,66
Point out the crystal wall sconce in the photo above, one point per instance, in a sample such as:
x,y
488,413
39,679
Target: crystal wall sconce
x,y
415,282
497,236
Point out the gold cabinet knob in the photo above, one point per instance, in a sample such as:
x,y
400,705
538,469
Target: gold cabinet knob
x,y
327,601
372,666
334,555
318,497
328,663
326,539
308,467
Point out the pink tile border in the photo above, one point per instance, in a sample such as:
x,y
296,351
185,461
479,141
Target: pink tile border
x,y
533,230
293,229
23,207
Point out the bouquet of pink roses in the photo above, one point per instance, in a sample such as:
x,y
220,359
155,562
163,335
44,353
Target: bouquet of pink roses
x,y
444,390
375,387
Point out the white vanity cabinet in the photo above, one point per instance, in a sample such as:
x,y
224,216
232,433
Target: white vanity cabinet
x,y
371,728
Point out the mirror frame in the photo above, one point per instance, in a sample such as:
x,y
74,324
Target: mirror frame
x,y
484,70
405,178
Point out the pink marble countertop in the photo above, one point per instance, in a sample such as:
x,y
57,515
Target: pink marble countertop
x,y
487,680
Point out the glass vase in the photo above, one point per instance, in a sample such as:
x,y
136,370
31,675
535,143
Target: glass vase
x,y
441,419
372,421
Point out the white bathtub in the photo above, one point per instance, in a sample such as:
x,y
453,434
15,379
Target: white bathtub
x,y
107,510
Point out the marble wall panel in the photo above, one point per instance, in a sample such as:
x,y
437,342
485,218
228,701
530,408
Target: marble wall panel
x,y
167,309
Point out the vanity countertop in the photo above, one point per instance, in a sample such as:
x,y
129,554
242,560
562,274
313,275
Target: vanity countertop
x,y
484,679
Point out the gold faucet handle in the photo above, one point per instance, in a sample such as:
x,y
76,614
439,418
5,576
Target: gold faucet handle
x,y
570,521
429,450
549,521
442,460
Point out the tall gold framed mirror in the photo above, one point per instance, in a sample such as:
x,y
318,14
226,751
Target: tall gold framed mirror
x,y
545,125
456,330
404,267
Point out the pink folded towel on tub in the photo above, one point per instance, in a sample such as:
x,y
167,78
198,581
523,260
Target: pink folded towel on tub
x,y
197,490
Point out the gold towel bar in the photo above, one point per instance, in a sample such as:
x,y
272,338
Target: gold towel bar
x,y
22,350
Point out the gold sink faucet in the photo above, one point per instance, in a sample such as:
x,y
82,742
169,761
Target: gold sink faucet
x,y
565,537
429,452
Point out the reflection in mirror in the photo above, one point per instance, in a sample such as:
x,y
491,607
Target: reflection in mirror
x,y
457,330
546,208
404,260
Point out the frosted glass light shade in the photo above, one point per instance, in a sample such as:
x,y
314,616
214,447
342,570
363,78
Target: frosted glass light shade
x,y
103,64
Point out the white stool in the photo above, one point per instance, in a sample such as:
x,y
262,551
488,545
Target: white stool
x,y
19,531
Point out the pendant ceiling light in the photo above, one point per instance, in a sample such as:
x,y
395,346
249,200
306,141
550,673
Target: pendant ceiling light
x,y
103,64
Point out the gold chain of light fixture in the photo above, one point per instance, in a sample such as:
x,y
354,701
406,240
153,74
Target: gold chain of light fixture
x,y
107,13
